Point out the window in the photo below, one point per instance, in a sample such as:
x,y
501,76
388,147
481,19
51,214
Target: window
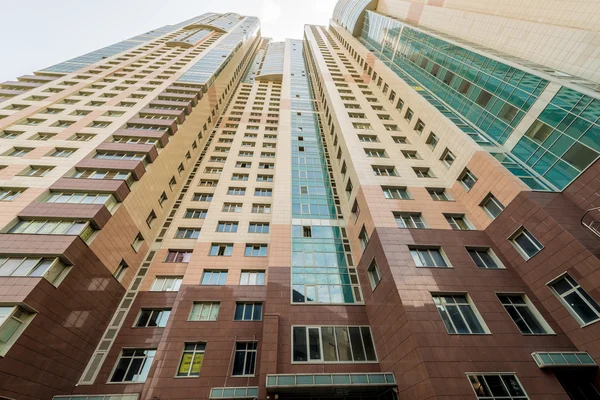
x,y
166,284
264,178
458,222
150,218
55,227
525,243
438,194
524,315
256,250
409,220
202,197
419,126
13,320
221,249
18,152
332,344
239,177
178,256
400,139
204,311
577,301
236,191
133,365
195,213
261,208
423,172
363,238
376,153
410,154
121,270
187,233
153,318
458,314
349,188
497,386
432,141
428,257
467,179
484,258
162,199
492,206
252,278
10,194
362,126
138,240
53,269
227,226
248,312
384,171
81,198
374,274
263,192
258,227
368,138
232,207
214,277
36,171
244,360
408,115
447,158
191,359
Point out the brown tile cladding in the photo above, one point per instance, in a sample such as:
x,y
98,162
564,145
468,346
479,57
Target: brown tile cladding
x,y
97,214
118,188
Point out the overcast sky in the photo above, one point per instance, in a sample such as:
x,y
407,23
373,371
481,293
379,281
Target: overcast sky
x,y
35,34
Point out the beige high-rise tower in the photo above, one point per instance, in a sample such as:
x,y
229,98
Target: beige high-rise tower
x,y
401,205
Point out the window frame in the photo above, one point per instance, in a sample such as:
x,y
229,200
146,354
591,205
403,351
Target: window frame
x,y
532,309
522,230
473,308
574,289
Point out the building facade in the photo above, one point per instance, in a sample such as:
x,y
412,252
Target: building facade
x,y
397,206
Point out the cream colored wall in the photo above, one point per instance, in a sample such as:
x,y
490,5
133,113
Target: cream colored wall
x,y
563,35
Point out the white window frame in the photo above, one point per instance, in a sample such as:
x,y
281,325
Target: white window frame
x,y
213,310
374,274
529,235
574,289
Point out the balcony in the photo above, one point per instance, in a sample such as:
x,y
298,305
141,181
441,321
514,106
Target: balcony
x,y
591,220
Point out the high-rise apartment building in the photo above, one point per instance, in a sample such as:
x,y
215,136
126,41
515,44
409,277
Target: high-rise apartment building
x,y
402,205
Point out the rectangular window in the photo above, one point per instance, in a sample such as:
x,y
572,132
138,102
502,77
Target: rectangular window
x,y
191,360
258,227
423,172
577,301
248,312
166,284
467,179
156,318
244,361
150,218
458,222
187,233
492,206
232,207
256,250
239,177
432,141
235,191
484,258
438,194
409,220
261,208
133,365
374,274
224,226
214,277
252,278
178,256
363,238
384,171
195,213
202,197
376,153
263,192
447,158
332,344
497,386
458,314
13,320
428,257
204,311
525,243
524,314
121,270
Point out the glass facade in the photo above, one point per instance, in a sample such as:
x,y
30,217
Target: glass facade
x,y
565,138
320,267
487,99
208,67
